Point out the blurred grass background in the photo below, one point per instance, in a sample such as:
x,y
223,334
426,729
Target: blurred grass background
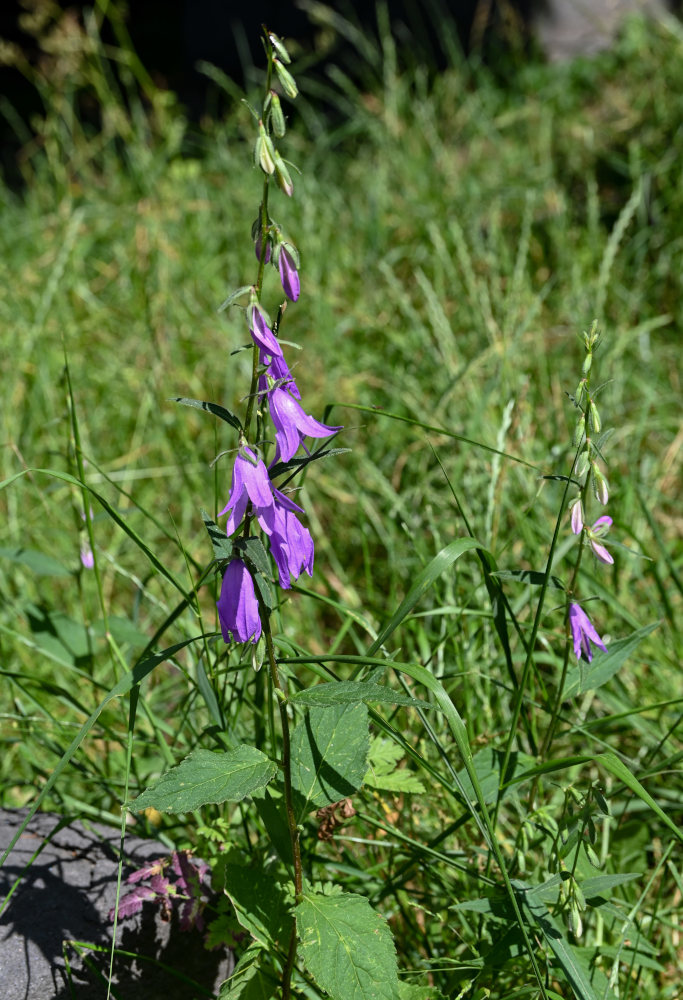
x,y
456,237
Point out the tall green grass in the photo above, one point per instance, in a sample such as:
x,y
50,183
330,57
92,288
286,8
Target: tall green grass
x,y
456,238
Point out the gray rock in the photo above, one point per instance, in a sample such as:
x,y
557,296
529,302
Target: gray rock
x,y
568,28
64,896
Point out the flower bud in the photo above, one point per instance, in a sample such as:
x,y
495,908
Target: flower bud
x,y
582,464
286,79
587,363
595,417
574,920
264,151
600,485
282,175
276,115
279,47
579,430
576,515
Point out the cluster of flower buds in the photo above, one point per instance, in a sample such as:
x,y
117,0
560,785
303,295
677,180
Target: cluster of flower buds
x,y
589,476
254,496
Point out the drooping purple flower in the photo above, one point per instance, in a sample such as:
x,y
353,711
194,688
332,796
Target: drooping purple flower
x,y
278,369
237,606
595,533
292,424
583,633
249,482
262,334
87,556
291,543
289,274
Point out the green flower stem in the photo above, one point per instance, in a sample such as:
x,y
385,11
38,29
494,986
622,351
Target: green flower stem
x,y
289,804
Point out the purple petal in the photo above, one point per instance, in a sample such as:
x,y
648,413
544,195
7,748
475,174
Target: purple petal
x,y
289,276
261,332
602,525
582,631
601,552
292,423
577,517
237,606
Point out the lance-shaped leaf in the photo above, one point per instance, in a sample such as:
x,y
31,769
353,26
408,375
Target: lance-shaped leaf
x,y
329,755
346,946
208,777
215,408
353,693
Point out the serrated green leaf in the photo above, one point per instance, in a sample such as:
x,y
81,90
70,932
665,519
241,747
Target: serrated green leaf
x,y
329,756
400,781
384,773
206,776
259,902
214,408
588,677
252,979
253,552
347,947
222,547
38,562
353,693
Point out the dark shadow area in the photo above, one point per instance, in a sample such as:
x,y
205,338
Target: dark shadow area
x,y
65,896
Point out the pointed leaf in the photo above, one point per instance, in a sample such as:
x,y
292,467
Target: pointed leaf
x,y
234,296
347,947
38,562
222,546
215,408
619,770
329,755
208,777
423,581
250,980
587,983
353,693
259,902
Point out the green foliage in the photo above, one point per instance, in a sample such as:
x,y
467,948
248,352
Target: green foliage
x,y
329,755
346,946
206,776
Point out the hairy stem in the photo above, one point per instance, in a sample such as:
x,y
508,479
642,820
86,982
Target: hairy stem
x,y
289,804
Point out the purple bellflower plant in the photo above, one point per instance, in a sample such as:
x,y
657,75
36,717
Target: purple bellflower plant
x,y
583,633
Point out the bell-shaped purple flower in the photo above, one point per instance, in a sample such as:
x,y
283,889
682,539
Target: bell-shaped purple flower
x,y
576,514
237,606
279,371
250,482
288,264
292,424
595,533
291,543
260,331
583,633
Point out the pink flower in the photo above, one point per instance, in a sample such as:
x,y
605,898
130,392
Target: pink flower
x,y
595,533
